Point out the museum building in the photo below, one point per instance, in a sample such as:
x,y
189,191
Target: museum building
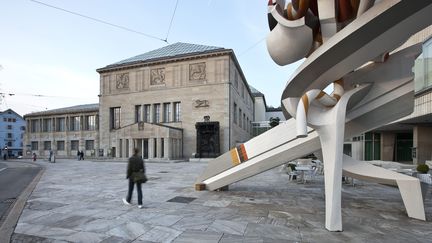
x,y
179,101
408,139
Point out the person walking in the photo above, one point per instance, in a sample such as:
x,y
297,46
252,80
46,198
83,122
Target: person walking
x,y
50,155
136,175
82,155
78,155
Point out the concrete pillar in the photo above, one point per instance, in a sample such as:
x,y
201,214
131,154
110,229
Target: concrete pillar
x,y
174,148
422,141
167,148
159,148
387,146
151,148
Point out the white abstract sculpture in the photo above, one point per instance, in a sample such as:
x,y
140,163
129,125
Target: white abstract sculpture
x,y
349,46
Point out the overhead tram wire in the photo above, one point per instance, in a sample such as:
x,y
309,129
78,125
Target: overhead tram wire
x,y
3,94
251,47
172,18
100,21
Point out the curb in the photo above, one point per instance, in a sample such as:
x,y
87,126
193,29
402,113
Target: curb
x,y
8,226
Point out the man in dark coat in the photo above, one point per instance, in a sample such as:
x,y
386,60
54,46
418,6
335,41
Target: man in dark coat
x,y
135,164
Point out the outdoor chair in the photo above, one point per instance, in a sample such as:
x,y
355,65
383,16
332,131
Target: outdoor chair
x,y
291,173
310,175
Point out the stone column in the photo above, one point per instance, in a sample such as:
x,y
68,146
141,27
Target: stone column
x,y
159,148
167,148
174,148
423,143
151,148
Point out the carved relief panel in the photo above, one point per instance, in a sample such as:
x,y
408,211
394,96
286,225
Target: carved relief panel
x,y
197,71
122,81
157,76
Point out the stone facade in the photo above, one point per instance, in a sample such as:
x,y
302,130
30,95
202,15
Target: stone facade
x,y
153,104
168,97
408,139
64,131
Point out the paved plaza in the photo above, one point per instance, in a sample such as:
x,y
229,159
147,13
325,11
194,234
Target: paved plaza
x,y
81,201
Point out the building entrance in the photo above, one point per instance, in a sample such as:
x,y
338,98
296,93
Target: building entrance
x,y
207,139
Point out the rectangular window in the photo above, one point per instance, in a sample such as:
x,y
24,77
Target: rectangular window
x,y
75,123
46,125
138,113
89,144
372,146
9,144
236,81
235,113
247,124
90,123
244,121
34,126
240,117
167,112
13,120
177,111
147,109
115,113
60,145
34,145
4,119
74,144
60,124
9,135
9,127
423,68
47,145
156,113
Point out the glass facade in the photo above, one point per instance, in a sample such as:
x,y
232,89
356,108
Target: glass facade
x,y
423,68
372,146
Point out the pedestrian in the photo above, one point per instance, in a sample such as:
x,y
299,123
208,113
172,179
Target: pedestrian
x,y
50,155
34,156
82,155
78,155
136,175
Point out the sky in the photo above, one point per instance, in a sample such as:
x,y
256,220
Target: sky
x,y
49,57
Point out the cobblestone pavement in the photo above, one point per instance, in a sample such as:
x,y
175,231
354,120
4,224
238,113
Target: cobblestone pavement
x,y
81,201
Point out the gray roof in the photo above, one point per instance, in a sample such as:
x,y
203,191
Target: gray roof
x,y
10,110
174,50
255,92
65,110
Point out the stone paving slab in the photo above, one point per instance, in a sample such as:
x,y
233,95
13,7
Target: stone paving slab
x,y
81,201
